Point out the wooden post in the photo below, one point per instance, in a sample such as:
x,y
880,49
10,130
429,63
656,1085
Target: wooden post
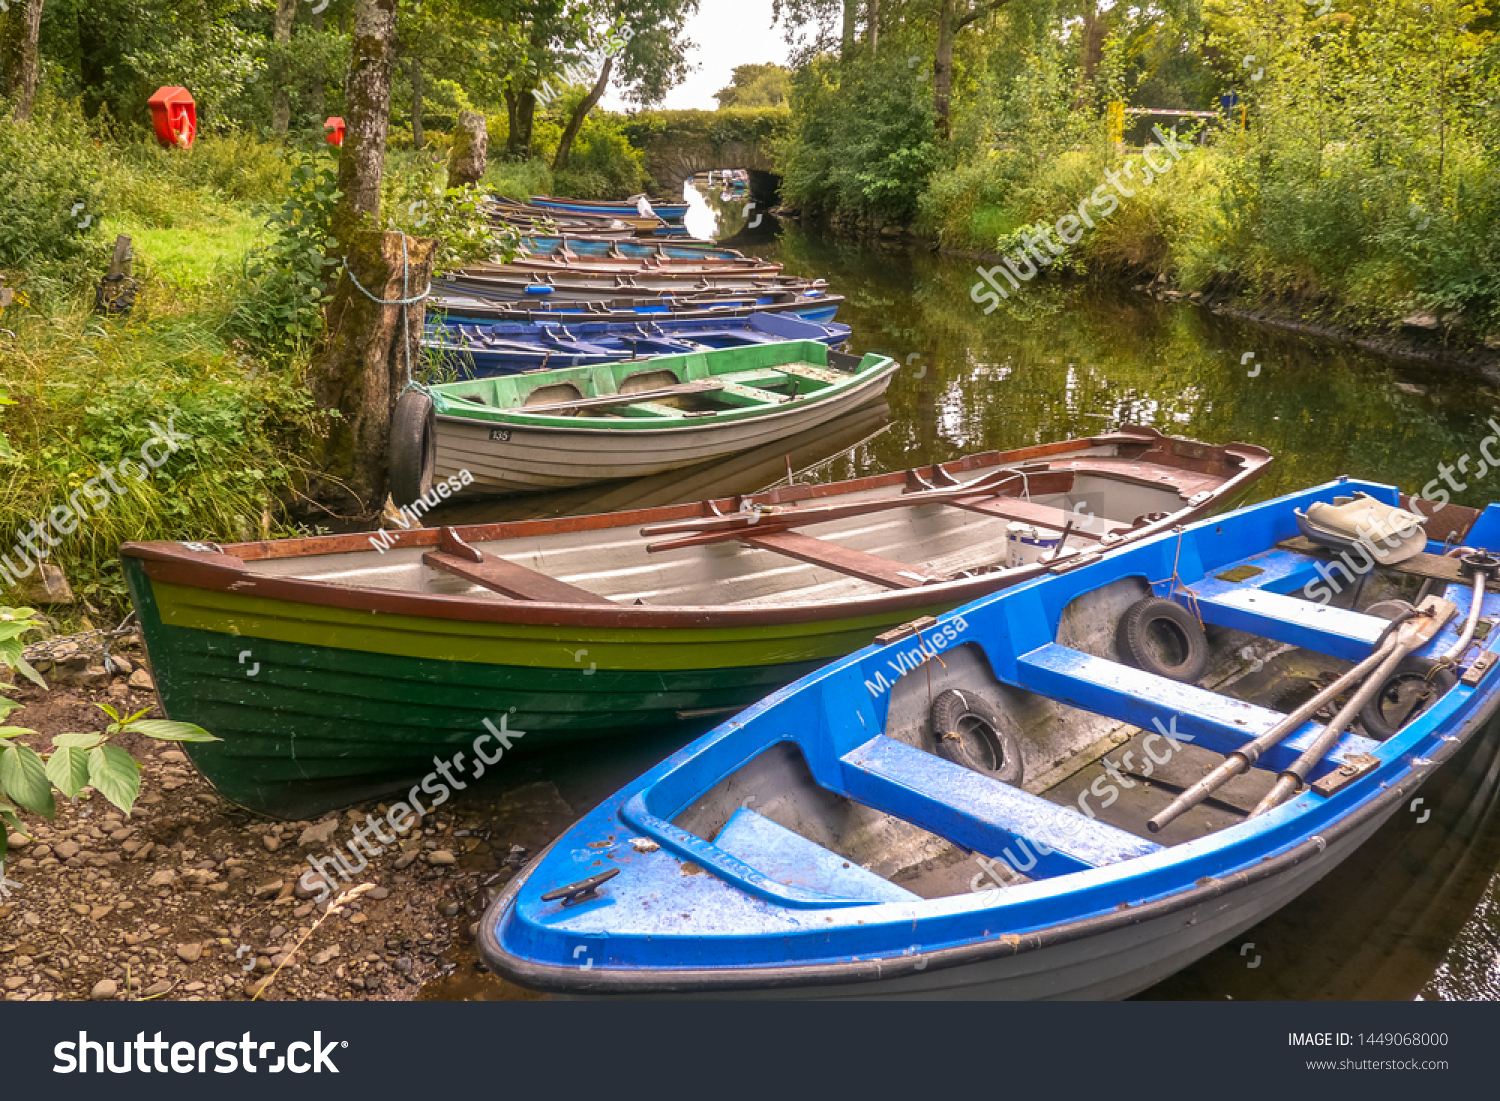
x,y
362,367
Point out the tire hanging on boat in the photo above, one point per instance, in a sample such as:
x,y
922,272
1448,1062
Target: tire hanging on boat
x,y
1405,694
412,452
1162,637
972,733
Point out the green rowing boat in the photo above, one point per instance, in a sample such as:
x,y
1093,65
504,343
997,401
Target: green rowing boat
x,y
341,667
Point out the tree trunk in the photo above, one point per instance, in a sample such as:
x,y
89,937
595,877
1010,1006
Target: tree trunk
x,y
362,357
367,110
1095,27
872,27
23,28
522,113
942,68
361,367
417,138
846,40
575,124
281,34
317,97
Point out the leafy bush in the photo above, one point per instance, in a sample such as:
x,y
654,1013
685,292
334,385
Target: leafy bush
x,y
286,283
51,186
863,145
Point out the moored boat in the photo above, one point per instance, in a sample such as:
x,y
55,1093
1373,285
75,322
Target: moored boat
x,y
373,654
553,429
1071,788
476,350
463,301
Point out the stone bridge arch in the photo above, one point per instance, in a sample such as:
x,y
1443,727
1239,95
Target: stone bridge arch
x,y
680,144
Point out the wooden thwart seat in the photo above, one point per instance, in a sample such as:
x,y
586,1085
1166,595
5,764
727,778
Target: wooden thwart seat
x,y
1436,566
840,559
502,576
980,813
1028,512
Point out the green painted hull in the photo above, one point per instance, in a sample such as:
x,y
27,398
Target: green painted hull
x,y
318,707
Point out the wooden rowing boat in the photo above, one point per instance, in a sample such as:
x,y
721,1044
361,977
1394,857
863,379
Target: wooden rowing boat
x,y
477,350
375,652
980,805
507,282
553,429
470,302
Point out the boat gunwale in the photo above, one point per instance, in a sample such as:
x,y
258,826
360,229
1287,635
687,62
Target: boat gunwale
x,y
851,386
224,569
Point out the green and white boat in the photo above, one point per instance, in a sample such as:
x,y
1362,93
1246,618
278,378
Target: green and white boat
x,y
545,430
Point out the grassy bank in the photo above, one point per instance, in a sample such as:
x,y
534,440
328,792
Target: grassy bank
x,y
212,348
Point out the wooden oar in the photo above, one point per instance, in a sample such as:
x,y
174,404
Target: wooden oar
x,y
734,522
1412,634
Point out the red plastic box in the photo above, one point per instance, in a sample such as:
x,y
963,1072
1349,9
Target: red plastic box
x,y
335,128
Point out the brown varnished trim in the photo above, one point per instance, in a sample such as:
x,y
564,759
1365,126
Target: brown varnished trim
x,y
175,564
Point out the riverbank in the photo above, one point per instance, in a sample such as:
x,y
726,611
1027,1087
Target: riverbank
x,y
1419,337
191,898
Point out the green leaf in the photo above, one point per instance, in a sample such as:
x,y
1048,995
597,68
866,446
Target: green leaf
x,y
68,769
79,741
7,706
24,777
29,673
115,775
167,731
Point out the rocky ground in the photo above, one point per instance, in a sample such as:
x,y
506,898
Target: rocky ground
x,y
191,898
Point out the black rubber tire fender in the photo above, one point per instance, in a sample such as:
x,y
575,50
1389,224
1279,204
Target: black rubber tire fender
x,y
1372,715
412,453
1138,638
971,732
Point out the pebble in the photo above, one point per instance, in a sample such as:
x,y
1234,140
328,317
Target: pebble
x,y
319,834
161,986
104,990
441,856
66,850
189,952
141,679
271,842
163,878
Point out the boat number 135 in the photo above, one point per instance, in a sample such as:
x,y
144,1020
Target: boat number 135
x,y
501,434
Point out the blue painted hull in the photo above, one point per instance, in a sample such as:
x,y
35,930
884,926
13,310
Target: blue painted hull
x,y
746,902
668,212
822,309
476,350
609,246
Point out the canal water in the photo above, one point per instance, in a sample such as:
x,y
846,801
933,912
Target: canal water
x,y
1416,913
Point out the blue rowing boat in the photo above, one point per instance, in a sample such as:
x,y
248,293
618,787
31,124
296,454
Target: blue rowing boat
x,y
545,245
1071,788
470,303
480,350
665,209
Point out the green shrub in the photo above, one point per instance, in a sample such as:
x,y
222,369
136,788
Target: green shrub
x,y
51,186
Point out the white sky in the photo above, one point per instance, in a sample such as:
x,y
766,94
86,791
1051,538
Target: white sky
x,y
727,33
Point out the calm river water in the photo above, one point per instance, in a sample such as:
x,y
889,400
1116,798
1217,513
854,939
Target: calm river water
x,y
1417,912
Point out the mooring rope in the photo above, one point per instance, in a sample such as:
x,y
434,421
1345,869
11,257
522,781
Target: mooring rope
x,y
406,299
